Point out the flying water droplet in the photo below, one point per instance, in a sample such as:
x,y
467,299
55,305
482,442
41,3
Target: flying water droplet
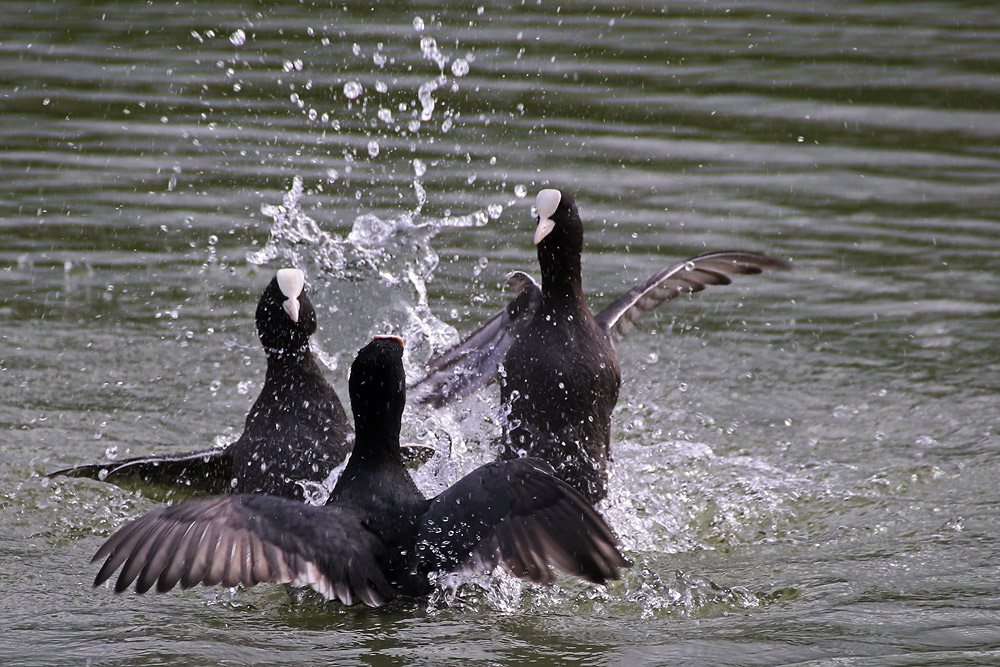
x,y
238,38
353,90
418,24
426,100
460,67
429,47
373,148
520,191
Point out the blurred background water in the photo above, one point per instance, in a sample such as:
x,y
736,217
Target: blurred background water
x,y
806,464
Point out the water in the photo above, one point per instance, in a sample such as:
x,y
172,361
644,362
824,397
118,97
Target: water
x,y
805,464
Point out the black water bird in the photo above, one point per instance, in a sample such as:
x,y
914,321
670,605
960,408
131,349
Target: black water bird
x,y
297,429
558,371
377,537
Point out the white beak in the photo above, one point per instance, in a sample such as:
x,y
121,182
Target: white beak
x,y
546,203
544,228
291,307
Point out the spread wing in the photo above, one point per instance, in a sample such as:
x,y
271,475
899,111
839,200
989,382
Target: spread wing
x,y
475,362
247,539
517,515
689,275
207,470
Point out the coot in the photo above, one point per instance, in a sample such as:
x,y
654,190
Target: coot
x,y
377,537
297,429
556,361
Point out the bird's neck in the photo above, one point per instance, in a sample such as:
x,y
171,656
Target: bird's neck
x,y
376,437
561,275
279,359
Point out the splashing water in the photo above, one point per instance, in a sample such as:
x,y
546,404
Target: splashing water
x,y
386,261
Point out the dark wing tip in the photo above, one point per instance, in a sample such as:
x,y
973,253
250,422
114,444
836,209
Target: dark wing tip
x,y
475,361
518,516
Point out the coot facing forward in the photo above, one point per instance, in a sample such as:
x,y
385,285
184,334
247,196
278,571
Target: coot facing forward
x,y
556,361
378,536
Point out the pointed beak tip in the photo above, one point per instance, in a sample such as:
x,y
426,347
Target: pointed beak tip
x,y
291,307
544,228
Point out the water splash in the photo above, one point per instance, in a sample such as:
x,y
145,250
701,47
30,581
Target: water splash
x,y
672,496
381,261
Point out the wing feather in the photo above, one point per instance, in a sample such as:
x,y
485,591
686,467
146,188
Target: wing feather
x,y
517,515
247,539
475,362
207,470
687,276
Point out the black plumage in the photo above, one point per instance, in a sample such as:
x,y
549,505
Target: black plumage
x,y
378,536
297,429
556,361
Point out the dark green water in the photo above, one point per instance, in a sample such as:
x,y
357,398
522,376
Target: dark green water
x,y
807,465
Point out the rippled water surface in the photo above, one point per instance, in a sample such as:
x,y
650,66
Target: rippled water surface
x,y
806,464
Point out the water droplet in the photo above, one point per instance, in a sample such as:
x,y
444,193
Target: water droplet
x,y
426,100
381,87
419,168
520,191
682,386
689,266
353,90
460,67
429,47
238,38
332,174
418,23
421,194
447,124
385,115
373,148
111,452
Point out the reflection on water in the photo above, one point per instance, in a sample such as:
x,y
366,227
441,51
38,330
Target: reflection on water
x,y
803,463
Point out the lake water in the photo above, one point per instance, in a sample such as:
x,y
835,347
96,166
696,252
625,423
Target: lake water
x,y
807,465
